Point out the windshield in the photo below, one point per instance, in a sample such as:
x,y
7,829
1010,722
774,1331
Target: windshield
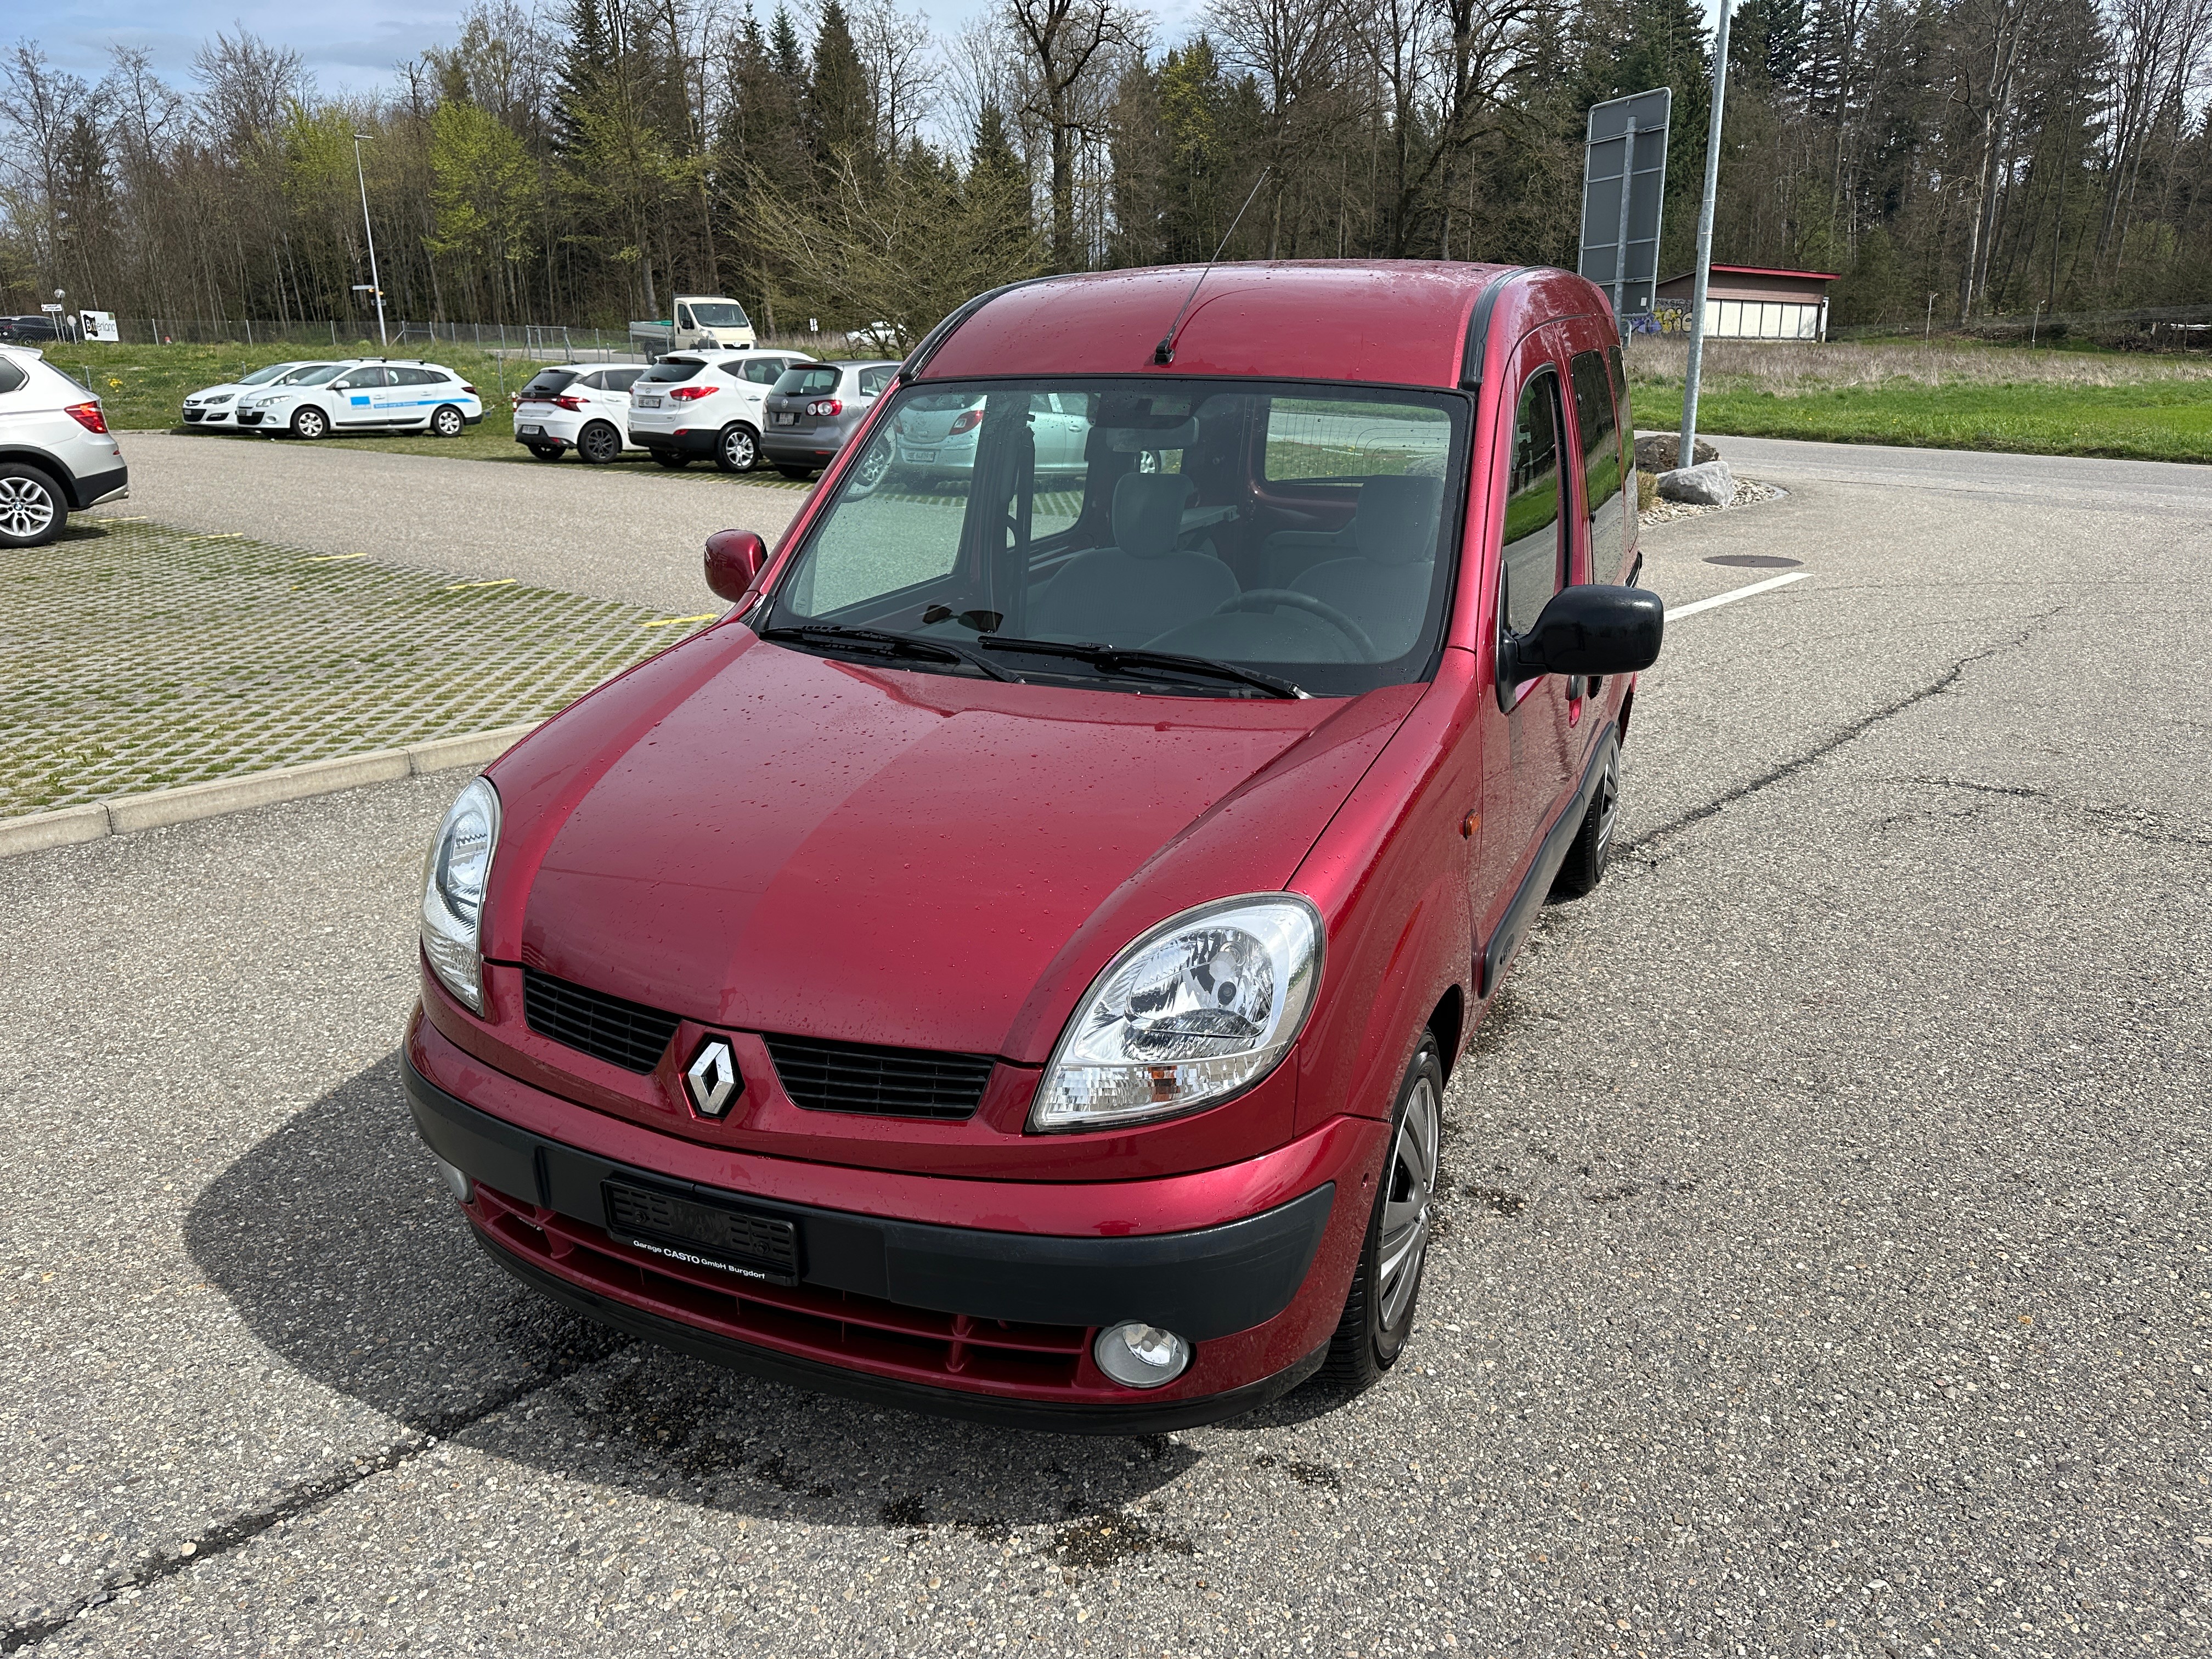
x,y
1302,533
317,376
263,376
717,314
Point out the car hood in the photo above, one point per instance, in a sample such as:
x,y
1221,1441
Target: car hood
x,y
764,840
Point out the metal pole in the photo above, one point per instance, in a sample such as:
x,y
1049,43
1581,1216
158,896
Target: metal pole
x,y
1620,241
1687,454
374,280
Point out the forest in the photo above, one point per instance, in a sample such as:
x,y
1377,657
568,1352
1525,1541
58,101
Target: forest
x,y
580,163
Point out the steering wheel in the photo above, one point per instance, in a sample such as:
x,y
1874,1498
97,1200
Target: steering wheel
x,y
1268,599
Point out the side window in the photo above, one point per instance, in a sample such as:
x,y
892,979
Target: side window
x,y
873,380
361,378
11,376
1531,561
622,379
684,313
1601,470
1627,437
764,371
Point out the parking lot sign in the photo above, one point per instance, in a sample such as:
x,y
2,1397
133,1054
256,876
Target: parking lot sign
x,y
1624,185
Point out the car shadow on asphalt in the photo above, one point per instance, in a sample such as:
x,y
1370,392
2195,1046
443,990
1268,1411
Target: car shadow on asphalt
x,y
341,1250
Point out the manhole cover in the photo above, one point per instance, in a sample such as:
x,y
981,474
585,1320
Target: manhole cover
x,y
1754,561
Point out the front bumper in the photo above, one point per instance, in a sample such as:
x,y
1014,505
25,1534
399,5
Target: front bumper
x,y
252,416
206,417
966,1320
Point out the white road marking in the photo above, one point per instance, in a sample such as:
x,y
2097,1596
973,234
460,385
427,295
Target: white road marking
x,y
1674,612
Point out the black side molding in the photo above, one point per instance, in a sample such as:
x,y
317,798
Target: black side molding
x,y
1529,897
1203,1284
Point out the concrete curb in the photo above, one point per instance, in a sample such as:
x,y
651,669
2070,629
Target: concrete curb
x,y
127,814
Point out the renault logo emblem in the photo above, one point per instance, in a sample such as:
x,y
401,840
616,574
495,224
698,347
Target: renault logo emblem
x,y
712,1078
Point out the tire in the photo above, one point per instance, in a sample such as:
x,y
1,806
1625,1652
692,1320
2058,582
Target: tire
x,y
737,450
32,509
873,472
597,444
1593,848
545,452
1386,1287
448,422
308,422
671,460
800,473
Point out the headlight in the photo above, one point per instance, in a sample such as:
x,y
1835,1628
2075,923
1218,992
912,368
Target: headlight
x,y
454,877
1200,1007
219,397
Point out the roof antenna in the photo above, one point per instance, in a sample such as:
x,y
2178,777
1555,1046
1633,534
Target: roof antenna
x,y
1165,351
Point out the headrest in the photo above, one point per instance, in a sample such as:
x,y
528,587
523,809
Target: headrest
x,y
1148,512
1396,520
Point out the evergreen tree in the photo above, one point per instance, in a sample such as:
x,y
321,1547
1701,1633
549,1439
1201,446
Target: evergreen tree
x,y
838,115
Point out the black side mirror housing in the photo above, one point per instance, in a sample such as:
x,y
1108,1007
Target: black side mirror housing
x,y
1592,628
735,559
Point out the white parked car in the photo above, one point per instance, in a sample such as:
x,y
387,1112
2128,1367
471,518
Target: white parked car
x,y
214,405
368,394
707,403
580,406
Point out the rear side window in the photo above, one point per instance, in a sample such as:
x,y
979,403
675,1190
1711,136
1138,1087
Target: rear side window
x,y
873,380
1321,440
549,383
620,380
670,371
1602,465
1531,559
11,375
762,371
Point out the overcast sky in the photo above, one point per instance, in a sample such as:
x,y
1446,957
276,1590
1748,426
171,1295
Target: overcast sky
x,y
352,45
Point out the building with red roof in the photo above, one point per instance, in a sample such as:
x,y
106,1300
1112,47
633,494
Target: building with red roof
x,y
1751,302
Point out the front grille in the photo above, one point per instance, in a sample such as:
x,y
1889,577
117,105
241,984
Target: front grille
x,y
854,1077
839,1327
625,1034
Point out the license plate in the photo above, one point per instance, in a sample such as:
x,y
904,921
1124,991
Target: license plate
x,y
648,403
781,419
725,1237
921,455
532,431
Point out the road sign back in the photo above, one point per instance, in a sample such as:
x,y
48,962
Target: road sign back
x,y
1624,186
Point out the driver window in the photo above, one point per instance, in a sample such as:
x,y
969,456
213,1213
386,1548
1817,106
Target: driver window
x,y
683,318
1531,562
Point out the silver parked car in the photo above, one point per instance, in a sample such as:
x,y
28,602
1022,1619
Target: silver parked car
x,y
814,407
933,439
57,455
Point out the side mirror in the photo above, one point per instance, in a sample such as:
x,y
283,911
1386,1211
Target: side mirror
x,y
735,559
1588,630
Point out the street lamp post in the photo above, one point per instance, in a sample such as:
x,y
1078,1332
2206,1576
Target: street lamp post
x,y
374,280
1686,453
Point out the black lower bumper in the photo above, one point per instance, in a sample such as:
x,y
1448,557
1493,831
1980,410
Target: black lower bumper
x,y
697,440
1203,1284
96,487
1139,1416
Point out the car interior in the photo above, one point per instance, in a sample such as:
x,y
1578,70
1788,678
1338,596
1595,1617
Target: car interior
x,y
1287,529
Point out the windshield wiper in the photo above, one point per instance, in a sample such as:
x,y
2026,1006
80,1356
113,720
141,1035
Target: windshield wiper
x,y
887,644
1113,657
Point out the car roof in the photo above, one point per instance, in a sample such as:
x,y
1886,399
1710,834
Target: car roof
x,y
1401,322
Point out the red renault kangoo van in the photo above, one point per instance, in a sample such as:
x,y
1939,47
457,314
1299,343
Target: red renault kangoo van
x,y
1009,965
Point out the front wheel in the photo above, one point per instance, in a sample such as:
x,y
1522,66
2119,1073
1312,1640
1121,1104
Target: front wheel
x,y
446,422
309,423
1378,1312
597,444
1593,848
32,511
736,449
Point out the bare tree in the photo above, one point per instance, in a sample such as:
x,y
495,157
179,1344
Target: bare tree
x,y
1069,43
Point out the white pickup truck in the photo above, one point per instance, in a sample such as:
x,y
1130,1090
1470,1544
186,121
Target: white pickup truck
x,y
700,319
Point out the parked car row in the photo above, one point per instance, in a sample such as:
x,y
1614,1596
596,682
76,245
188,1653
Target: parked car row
x,y
57,455
351,394
741,409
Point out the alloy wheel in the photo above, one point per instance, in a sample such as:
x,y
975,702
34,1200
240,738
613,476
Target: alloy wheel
x,y
1404,1238
598,445
737,450
1608,805
26,508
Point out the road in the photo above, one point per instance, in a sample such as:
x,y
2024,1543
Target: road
x,y
1823,1267
614,535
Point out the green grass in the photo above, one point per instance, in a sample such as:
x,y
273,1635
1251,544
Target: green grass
x,y
2153,421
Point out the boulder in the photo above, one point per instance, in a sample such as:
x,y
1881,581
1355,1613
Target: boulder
x,y
1657,451
1707,485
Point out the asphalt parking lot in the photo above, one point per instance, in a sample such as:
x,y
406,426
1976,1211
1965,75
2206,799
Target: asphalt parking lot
x,y
1824,1267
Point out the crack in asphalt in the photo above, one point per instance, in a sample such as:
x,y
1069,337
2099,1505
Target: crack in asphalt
x,y
294,1501
2140,826
1782,773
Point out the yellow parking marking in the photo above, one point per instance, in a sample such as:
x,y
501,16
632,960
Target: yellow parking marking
x,y
333,558
670,621
504,582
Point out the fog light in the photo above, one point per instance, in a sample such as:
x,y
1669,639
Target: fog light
x,y
457,1181
1140,1356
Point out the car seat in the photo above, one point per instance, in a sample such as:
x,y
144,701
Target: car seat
x,y
1385,589
1142,586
